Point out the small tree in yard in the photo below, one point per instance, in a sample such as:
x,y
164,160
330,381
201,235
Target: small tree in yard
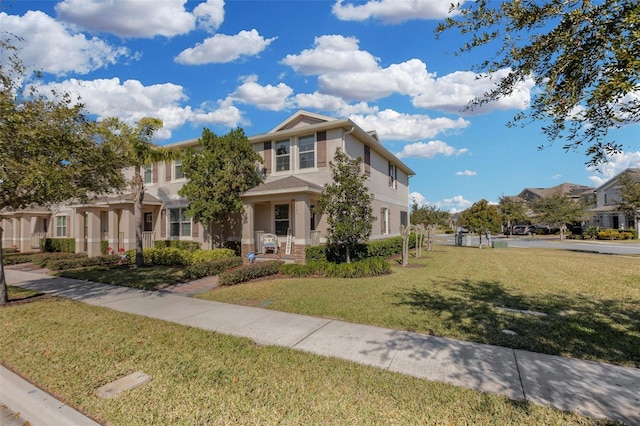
x,y
217,174
629,202
134,143
558,210
512,212
347,203
481,218
48,149
431,218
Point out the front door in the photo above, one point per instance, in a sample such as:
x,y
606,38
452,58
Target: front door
x,y
148,222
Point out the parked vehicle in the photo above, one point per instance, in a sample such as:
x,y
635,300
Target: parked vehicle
x,y
523,230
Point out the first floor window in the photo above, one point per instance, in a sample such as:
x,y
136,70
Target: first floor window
x,y
179,223
61,226
282,219
385,220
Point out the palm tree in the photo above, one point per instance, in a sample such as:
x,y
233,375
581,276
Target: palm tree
x,y
136,147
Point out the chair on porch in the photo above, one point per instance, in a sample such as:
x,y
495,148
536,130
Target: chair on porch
x,y
270,243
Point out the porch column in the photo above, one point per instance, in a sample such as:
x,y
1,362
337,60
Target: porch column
x,y
113,228
302,226
15,238
25,233
7,232
78,230
247,242
128,227
93,233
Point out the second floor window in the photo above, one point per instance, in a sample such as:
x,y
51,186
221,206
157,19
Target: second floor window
x,y
283,157
148,173
306,149
393,175
177,170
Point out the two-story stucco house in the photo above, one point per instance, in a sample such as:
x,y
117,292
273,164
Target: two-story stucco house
x,y
606,213
296,156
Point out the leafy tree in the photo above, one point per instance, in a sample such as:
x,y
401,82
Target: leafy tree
x,y
48,149
217,173
431,217
558,210
347,203
135,147
512,211
583,54
629,188
481,218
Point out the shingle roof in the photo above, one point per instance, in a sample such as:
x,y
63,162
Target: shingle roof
x,y
286,184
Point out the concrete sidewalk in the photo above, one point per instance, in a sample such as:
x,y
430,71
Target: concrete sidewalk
x,y
589,388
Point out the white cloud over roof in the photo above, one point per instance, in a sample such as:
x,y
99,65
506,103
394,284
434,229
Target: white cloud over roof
x,y
392,11
429,150
223,48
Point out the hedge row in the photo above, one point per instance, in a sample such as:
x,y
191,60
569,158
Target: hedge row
x,y
215,267
172,256
616,234
370,267
64,245
182,245
43,259
249,272
72,263
376,248
17,258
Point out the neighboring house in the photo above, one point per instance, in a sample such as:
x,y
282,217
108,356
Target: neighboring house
x,y
572,190
296,156
606,214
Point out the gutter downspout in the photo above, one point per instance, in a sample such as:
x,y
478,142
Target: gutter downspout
x,y
344,138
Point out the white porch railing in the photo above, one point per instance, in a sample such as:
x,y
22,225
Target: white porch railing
x,y
35,239
104,236
147,239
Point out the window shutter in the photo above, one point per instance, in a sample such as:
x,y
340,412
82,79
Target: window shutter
x,y
167,170
196,230
163,223
382,220
267,157
154,173
321,147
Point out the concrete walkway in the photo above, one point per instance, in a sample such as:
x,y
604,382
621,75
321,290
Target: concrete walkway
x,y
589,388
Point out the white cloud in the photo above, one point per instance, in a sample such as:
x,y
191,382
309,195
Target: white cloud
x,y
223,48
345,71
332,53
52,47
131,100
272,98
455,204
429,150
209,15
320,102
466,173
134,18
393,125
392,11
453,92
615,164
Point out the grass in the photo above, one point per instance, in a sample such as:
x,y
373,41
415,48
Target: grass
x,y
592,301
15,294
146,278
200,377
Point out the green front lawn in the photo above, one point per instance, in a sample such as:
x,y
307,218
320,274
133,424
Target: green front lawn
x,y
592,301
145,277
199,377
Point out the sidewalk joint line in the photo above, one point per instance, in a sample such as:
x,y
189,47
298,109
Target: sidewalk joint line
x,y
515,358
311,334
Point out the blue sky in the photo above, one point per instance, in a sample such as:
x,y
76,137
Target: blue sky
x,y
252,64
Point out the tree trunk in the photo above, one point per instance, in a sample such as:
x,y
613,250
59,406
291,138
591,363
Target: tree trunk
x,y
348,249
4,297
137,188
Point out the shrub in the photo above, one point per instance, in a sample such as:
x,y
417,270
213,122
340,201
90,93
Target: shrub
x,y
591,233
65,245
376,248
17,258
182,245
370,267
315,254
249,272
104,247
41,259
72,263
214,267
615,234
211,255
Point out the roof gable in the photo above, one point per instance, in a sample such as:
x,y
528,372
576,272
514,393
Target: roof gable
x,y
301,119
